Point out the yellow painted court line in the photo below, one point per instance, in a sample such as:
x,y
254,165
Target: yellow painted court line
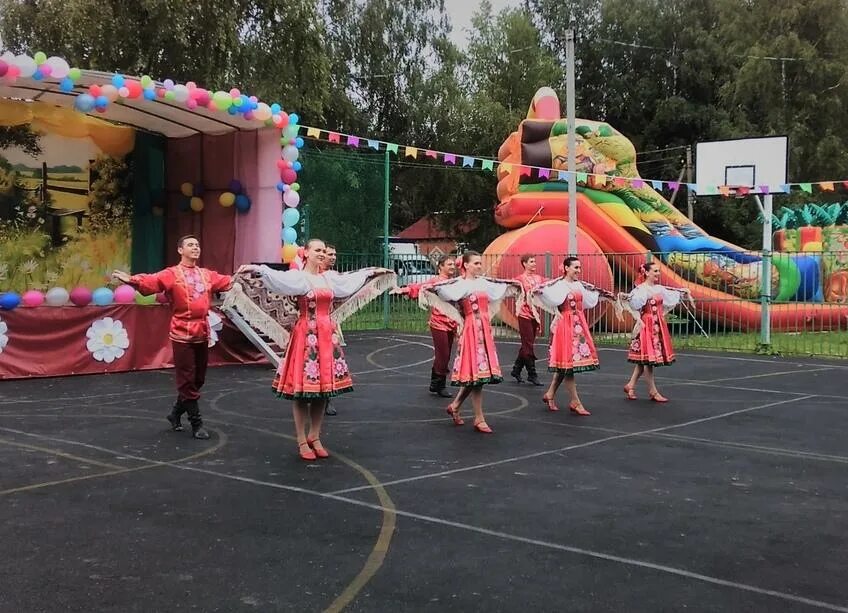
x,y
61,454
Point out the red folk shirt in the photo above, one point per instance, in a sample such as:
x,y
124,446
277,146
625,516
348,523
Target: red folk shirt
x,y
528,283
189,290
438,320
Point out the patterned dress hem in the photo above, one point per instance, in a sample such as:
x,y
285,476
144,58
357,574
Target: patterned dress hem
x,y
571,371
478,382
311,395
650,363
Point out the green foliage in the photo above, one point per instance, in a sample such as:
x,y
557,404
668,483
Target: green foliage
x,y
110,193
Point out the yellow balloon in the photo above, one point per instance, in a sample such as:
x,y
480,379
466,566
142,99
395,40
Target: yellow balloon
x,y
289,253
227,199
196,204
187,189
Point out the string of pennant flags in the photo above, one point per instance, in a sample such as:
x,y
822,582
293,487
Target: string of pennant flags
x,y
586,178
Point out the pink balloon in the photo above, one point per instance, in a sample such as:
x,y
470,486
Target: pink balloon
x,y
161,298
81,296
124,294
33,298
288,175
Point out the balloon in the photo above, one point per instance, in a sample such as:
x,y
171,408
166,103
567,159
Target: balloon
x,y
110,91
281,187
75,74
235,186
101,102
291,198
297,166
84,103
168,83
242,203
102,296
196,204
123,92
180,93
275,108
139,299
81,296
150,94
57,296
227,199
118,81
290,132
161,298
33,298
291,217
289,235
9,301
40,57
298,142
295,186
134,88
27,66
290,153
125,294
66,85
222,100
288,175
289,253
146,81
294,118
187,189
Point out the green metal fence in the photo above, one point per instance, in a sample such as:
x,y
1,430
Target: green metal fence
x,y
813,321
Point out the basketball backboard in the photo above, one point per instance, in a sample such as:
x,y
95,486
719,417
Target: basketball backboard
x,y
744,162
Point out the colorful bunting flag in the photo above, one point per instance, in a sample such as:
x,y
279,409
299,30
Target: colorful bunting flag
x,y
506,167
657,185
619,182
784,189
544,173
488,165
353,141
582,177
431,154
412,152
637,183
450,158
764,189
374,144
392,147
524,171
724,190
673,185
467,162
562,176
807,187
827,186
334,137
313,133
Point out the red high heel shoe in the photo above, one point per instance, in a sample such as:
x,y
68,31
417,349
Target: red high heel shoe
x,y
550,403
577,407
482,426
454,413
657,397
306,452
318,448
629,392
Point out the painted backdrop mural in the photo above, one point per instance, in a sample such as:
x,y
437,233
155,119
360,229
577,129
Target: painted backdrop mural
x,y
65,189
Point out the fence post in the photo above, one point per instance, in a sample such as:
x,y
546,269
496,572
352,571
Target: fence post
x,y
386,263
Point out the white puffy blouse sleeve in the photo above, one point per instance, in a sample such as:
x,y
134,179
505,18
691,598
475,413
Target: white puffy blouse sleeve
x,y
671,297
284,282
345,284
590,296
638,297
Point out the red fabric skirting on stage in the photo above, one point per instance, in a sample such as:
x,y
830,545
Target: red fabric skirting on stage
x,y
60,341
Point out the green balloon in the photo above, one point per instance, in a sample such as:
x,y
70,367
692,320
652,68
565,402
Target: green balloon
x,y
74,74
605,130
139,299
40,57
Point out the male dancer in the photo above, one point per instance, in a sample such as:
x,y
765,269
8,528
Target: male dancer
x,y
442,328
529,322
189,289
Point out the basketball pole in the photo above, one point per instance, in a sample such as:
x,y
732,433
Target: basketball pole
x,y
572,143
765,291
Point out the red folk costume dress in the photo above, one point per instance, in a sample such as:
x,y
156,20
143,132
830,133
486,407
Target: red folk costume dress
x,y
314,365
572,349
650,342
472,303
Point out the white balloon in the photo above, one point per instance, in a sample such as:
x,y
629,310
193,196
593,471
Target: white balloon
x,y
180,93
110,91
57,296
290,153
26,64
291,198
59,68
262,112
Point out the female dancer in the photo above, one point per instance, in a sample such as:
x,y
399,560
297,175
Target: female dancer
x,y
650,343
442,327
314,368
529,322
471,301
572,349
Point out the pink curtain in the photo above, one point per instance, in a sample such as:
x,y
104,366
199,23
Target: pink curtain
x,y
227,238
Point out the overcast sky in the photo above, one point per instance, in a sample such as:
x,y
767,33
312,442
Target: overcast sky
x,y
460,12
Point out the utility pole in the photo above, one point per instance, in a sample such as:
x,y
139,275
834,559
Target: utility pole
x,y
572,143
387,204
690,197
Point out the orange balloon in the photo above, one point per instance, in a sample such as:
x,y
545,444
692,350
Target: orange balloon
x,y
196,204
288,252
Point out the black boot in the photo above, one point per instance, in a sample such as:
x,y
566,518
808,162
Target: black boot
x,y
175,416
532,375
517,368
197,430
438,384
329,410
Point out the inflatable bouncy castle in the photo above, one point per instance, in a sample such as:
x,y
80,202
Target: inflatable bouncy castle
x,y
622,221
